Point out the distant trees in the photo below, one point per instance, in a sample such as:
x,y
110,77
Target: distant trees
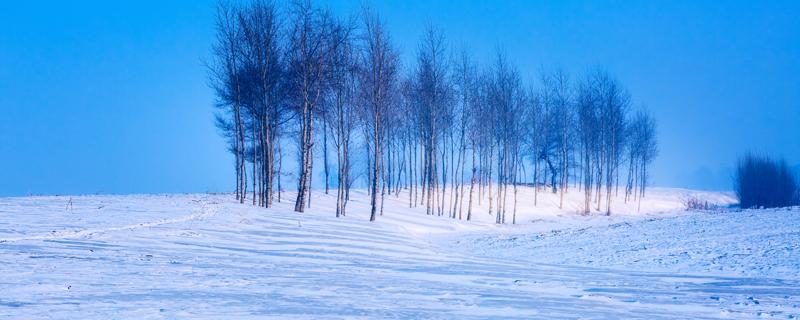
x,y
429,128
765,182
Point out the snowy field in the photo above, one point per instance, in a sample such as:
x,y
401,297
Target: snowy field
x,y
206,256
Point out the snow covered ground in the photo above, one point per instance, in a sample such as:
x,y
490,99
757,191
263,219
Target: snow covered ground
x,y
206,256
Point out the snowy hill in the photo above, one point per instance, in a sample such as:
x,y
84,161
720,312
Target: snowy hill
x,y
206,256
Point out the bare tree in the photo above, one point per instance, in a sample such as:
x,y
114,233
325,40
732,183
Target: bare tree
x,y
465,80
507,100
308,58
225,74
602,107
641,150
557,147
341,112
379,62
588,112
263,68
432,94
615,105
477,136
535,130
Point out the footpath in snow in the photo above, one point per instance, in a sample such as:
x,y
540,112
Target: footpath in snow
x,y
206,256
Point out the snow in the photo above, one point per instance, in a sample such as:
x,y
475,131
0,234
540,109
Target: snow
x,y
753,243
206,256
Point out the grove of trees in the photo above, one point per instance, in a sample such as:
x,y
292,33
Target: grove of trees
x,y
764,182
446,130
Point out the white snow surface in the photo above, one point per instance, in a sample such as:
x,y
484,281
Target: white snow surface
x,y
207,256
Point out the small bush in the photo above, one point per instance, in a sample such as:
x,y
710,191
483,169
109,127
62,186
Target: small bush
x,y
697,204
764,182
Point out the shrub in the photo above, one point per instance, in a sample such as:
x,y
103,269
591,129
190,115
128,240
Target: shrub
x,y
761,181
694,203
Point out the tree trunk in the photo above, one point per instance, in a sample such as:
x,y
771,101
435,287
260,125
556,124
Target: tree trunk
x,y
255,176
325,154
471,185
305,159
375,169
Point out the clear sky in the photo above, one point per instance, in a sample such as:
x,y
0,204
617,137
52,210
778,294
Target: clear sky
x,y
112,96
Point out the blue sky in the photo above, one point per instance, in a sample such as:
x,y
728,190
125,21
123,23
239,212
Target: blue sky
x,y
112,97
